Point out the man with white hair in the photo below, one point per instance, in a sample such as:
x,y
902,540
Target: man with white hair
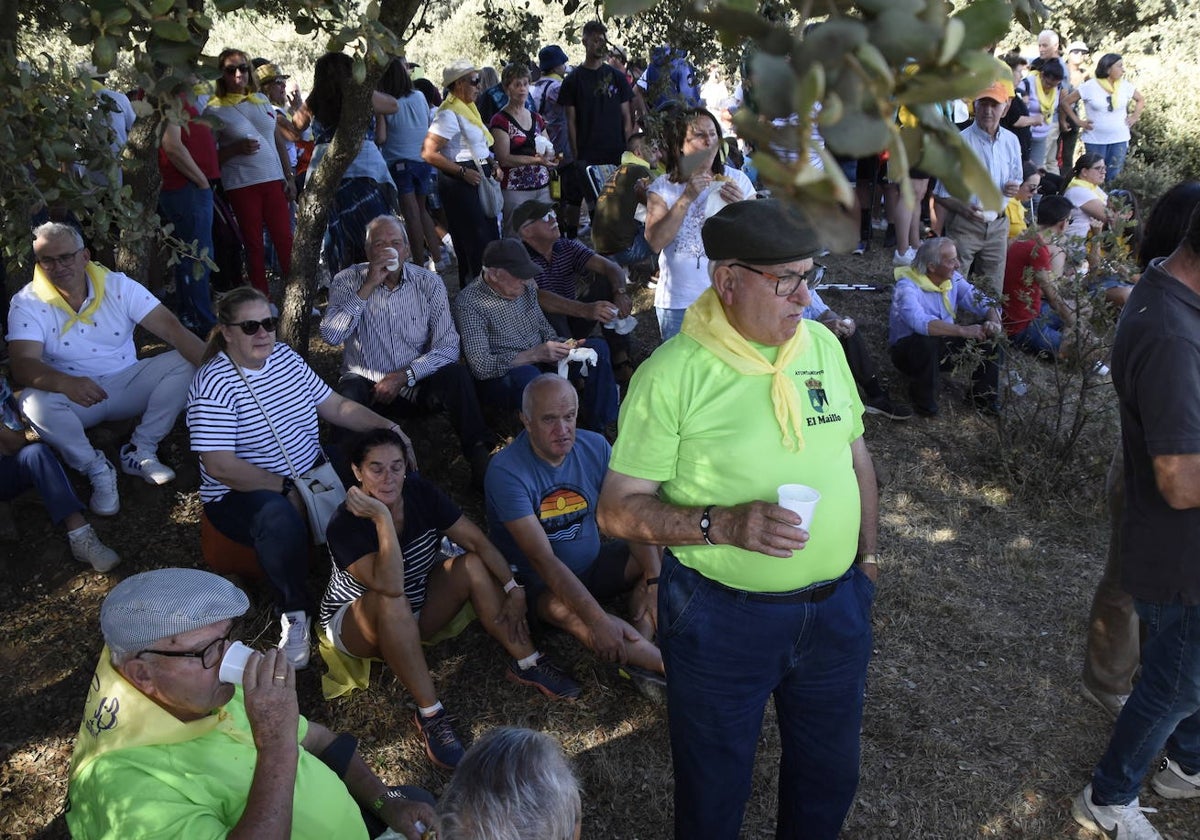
x,y
70,335
169,748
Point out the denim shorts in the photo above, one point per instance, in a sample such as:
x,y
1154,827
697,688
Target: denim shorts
x,y
413,176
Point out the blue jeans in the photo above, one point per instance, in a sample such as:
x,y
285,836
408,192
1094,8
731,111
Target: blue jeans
x,y
34,466
1041,335
190,210
1114,157
1164,708
278,533
638,251
725,655
670,322
598,405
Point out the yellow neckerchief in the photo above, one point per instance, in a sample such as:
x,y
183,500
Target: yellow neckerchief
x,y
926,285
1014,211
630,159
47,292
1045,100
706,323
95,86
1110,87
466,110
228,100
116,716
1079,182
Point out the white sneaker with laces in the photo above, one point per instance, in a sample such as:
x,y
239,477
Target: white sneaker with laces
x,y
1118,822
145,465
904,258
105,500
87,548
1170,782
293,638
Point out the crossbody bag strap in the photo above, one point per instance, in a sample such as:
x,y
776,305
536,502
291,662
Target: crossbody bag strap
x,y
462,124
291,467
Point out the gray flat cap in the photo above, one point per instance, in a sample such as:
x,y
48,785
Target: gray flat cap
x,y
166,602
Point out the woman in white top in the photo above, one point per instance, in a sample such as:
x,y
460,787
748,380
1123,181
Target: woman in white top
x,y
1091,202
1113,105
697,184
455,140
255,171
246,487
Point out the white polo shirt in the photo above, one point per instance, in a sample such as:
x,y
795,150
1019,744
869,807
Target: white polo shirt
x,y
104,347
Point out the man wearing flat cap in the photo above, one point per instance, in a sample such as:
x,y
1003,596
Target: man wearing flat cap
x,y
982,235
754,600
166,749
507,340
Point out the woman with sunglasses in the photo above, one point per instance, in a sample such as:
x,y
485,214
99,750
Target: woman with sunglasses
x,y
256,174
251,389
1113,104
455,140
697,184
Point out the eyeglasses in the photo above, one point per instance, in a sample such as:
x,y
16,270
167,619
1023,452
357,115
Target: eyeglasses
x,y
787,284
209,657
61,261
252,327
474,82
233,69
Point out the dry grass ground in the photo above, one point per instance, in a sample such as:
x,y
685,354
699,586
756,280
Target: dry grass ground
x,y
974,724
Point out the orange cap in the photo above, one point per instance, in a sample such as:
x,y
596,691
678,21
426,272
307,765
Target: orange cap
x,y
999,91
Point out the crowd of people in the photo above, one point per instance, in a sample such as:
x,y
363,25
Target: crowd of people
x,y
757,383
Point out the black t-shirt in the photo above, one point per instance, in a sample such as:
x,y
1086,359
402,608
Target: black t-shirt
x,y
1156,372
1016,110
597,96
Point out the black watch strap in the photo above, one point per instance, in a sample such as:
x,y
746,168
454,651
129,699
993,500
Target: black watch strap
x,y
706,524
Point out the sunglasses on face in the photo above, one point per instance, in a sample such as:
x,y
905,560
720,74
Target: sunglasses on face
x,y
474,82
233,69
252,327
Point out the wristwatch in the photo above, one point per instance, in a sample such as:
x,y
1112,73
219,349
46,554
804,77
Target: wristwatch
x,y
706,523
383,798
412,377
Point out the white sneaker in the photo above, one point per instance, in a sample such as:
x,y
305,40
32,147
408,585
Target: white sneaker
x,y
145,465
905,258
105,500
1126,822
87,548
293,638
1170,782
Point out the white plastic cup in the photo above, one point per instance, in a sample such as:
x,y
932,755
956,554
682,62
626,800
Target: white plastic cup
x,y
233,663
393,258
801,499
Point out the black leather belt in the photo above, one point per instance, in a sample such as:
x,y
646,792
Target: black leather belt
x,y
814,594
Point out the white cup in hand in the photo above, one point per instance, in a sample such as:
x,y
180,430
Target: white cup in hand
x,y
801,499
233,663
393,258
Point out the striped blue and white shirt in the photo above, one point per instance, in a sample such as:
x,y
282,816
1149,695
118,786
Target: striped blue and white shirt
x,y
222,415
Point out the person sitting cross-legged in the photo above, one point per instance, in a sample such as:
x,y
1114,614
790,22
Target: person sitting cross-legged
x,y
541,493
390,588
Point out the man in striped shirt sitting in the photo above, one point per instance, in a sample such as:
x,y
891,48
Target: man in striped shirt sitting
x,y
400,345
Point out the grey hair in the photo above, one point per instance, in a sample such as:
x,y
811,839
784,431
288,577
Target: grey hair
x,y
929,253
54,230
513,784
384,219
537,384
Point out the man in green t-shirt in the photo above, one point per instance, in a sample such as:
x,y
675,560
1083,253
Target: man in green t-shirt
x,y
168,749
753,600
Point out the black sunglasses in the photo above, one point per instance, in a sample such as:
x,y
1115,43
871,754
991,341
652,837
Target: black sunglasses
x,y
252,327
229,70
474,82
1109,98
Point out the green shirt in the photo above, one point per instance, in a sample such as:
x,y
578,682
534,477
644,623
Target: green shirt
x,y
708,435
138,771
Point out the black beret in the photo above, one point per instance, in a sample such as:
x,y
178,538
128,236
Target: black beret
x,y
763,232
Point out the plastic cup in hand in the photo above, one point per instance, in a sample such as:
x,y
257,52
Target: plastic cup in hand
x,y
393,258
233,663
801,499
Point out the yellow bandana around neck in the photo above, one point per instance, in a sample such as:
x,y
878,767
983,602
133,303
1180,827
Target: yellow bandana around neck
x,y
1110,87
1088,185
706,323
466,110
47,292
231,99
1045,97
926,285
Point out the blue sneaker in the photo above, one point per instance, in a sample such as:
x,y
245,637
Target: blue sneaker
x,y
546,677
441,743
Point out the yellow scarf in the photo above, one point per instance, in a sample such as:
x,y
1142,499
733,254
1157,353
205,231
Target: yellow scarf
x,y
228,100
706,323
1045,98
47,292
466,110
1088,185
926,285
1110,87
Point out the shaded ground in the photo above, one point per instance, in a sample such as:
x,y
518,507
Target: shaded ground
x,y
974,724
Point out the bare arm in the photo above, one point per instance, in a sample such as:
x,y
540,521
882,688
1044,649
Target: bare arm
x,y
381,571
431,153
289,177
384,103
163,323
1139,103
626,119
288,128
556,304
29,370
239,474
571,132
1178,480
532,541
663,222
868,496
